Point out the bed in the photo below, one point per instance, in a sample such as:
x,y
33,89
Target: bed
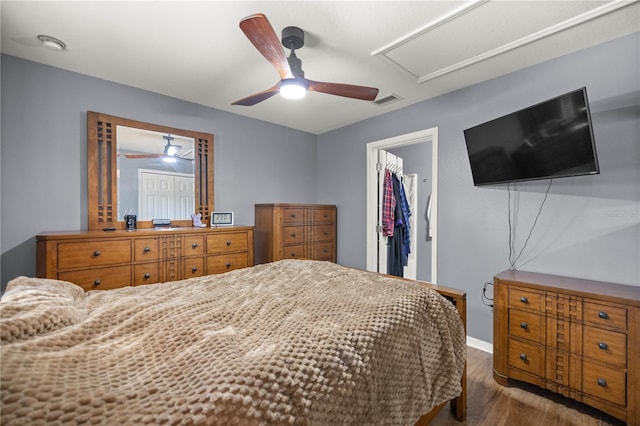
x,y
289,342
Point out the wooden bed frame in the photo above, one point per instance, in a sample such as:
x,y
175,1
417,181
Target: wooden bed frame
x,y
458,404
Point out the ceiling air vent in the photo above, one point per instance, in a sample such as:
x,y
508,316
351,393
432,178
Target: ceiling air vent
x,y
387,99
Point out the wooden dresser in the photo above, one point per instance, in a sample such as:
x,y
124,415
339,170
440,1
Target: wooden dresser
x,y
575,337
295,231
112,259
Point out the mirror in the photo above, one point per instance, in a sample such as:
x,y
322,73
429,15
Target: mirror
x,y
155,174
127,159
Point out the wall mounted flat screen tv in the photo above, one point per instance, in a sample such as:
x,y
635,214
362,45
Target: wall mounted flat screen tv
x,y
549,140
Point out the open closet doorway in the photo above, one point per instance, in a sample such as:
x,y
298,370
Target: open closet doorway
x,y
426,236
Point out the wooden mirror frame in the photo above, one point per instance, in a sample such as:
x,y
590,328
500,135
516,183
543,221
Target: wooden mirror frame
x,y
102,165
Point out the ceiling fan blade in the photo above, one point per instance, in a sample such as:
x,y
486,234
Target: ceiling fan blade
x,y
346,90
260,32
259,97
144,155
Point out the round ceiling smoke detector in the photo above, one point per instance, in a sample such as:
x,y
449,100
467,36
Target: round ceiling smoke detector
x,y
52,42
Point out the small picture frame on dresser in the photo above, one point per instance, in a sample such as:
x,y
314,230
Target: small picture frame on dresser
x,y
222,219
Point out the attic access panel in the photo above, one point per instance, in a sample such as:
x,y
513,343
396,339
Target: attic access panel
x,y
492,26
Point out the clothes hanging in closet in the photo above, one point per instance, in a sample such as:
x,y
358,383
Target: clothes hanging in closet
x,y
399,240
388,205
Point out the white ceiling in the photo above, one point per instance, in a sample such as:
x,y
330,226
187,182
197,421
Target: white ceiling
x,y
415,50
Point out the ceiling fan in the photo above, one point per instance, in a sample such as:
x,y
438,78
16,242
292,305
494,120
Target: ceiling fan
x,y
292,82
168,153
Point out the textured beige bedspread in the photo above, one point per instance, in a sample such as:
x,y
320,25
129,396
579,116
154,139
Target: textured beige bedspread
x,y
291,342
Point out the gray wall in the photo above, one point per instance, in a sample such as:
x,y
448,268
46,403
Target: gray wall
x,y
44,166
590,225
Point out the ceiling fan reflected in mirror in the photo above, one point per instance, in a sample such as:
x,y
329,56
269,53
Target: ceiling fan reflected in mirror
x,y
168,155
292,84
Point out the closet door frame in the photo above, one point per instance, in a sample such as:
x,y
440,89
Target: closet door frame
x,y
427,135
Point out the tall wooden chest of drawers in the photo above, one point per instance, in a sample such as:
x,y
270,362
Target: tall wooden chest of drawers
x,y
105,260
575,337
295,231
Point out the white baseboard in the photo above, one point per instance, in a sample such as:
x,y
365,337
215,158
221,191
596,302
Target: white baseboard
x,y
480,344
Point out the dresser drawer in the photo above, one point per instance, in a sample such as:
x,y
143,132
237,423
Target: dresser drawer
x,y
526,325
99,278
193,245
193,267
526,299
324,232
145,273
612,316
604,382
293,215
146,249
293,235
227,262
228,242
604,345
324,215
527,356
93,253
324,251
293,252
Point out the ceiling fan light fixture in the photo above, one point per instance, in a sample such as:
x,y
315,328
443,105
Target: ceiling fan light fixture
x,y
292,89
172,150
169,159
292,84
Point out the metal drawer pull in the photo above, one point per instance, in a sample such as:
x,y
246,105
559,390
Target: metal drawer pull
x,y
603,346
524,325
523,357
293,235
194,245
146,249
293,255
228,243
228,265
524,299
603,315
194,269
602,382
293,215
96,283
96,253
326,251
147,275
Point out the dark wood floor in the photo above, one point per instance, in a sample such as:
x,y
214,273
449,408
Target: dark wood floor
x,y
490,404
